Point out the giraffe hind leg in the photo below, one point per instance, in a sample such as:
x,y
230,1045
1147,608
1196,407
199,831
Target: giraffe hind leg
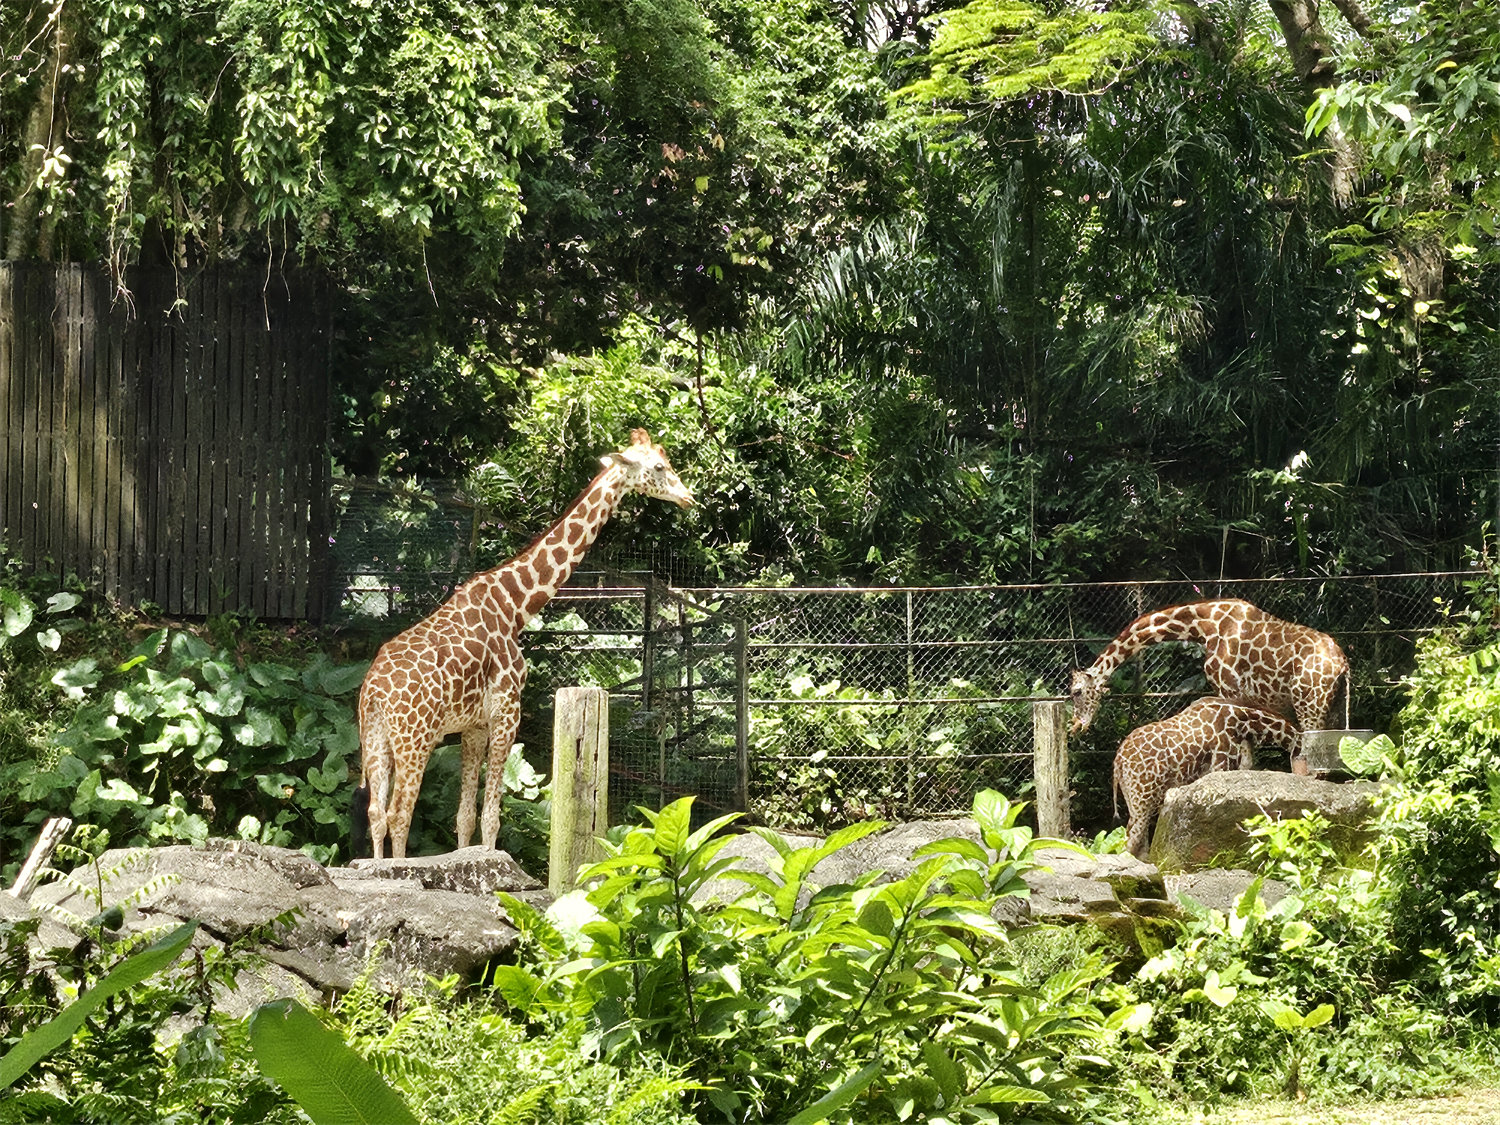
x,y
409,756
502,738
376,787
474,742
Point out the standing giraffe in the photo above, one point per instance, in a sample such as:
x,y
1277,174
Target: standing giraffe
x,y
1210,734
460,669
1250,657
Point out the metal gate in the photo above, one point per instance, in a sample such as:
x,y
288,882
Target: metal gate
x,y
676,674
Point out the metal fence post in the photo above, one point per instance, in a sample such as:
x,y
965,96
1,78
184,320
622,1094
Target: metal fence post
x,y
742,711
910,718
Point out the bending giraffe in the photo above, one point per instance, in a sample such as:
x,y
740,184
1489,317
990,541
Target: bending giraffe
x,y
1250,657
1208,735
460,670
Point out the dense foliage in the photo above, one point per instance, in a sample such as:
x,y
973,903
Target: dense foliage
x,y
912,290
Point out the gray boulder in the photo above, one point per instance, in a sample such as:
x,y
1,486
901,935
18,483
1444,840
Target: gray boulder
x,y
430,916
1201,823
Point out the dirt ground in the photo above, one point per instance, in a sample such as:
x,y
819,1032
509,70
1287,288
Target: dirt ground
x,y
1466,1107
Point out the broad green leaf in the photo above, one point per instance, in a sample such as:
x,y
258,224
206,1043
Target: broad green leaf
x,y
76,679
62,601
672,827
955,845
947,1073
1006,1095
332,1084
1361,757
16,612
839,1097
340,679
1318,1016
41,1041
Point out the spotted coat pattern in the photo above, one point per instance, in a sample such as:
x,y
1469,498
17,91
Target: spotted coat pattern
x,y
460,670
1249,657
1208,735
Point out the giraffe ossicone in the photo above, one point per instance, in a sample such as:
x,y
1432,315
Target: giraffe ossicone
x,y
1209,735
1249,657
460,669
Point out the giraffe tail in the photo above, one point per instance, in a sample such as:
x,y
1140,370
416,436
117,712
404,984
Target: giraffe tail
x,y
359,821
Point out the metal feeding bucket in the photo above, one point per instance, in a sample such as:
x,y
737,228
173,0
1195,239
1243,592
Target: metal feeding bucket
x,y
1321,749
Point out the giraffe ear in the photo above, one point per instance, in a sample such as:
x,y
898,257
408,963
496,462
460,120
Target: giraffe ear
x,y
610,460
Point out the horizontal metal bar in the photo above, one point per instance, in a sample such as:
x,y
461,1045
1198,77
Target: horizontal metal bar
x,y
1008,755
1042,587
914,700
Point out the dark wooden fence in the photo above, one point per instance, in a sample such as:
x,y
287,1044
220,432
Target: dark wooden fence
x,y
169,446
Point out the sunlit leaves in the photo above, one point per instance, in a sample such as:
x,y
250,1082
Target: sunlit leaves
x,y
998,49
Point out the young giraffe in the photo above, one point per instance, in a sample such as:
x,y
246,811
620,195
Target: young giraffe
x,y
460,669
1208,735
1249,657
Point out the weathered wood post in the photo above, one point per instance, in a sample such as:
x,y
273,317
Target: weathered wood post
x,y
1049,724
52,834
580,782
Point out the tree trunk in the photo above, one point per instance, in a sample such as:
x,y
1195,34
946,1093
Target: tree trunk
x,y
30,230
1312,57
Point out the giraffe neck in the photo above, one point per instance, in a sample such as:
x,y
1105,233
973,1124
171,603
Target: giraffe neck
x,y
1175,623
529,580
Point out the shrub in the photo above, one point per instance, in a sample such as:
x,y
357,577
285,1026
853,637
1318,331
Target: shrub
x,y
795,1002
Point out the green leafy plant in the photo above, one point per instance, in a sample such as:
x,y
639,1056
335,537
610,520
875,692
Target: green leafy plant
x,y
457,1061
178,740
798,1001
39,1042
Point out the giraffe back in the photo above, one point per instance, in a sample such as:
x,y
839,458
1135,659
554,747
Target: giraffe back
x,y
1210,734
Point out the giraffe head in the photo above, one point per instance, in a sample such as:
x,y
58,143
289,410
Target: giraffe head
x,y
1086,690
648,472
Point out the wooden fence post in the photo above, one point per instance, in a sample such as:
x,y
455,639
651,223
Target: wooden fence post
x,y
1049,724
52,834
580,782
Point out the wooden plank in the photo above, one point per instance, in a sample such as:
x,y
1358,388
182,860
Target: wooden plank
x,y
279,509
242,513
297,391
45,375
1049,721
225,538
24,522
166,462
8,398
202,439
134,391
95,428
107,435
322,527
307,414
82,554
174,546
258,558
580,783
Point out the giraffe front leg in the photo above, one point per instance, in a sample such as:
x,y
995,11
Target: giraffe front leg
x,y
474,742
502,737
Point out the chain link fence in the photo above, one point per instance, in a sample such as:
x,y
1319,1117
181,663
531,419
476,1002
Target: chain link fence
x,y
904,702
813,707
